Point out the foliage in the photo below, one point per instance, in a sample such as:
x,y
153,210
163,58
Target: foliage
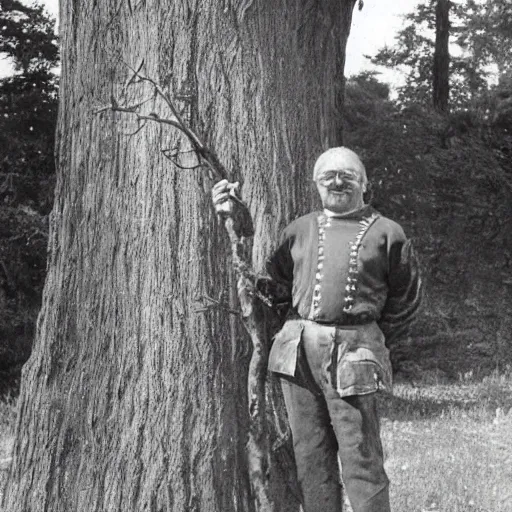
x,y
28,106
448,180
501,104
23,239
28,112
27,36
487,33
481,40
365,98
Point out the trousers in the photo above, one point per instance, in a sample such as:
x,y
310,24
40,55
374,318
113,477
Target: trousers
x,y
325,425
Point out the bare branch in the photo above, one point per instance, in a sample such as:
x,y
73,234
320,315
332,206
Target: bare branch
x,y
130,80
173,159
162,94
152,117
102,109
207,154
178,151
140,127
202,150
208,303
138,105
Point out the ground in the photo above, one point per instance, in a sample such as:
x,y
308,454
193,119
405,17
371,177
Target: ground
x,y
447,446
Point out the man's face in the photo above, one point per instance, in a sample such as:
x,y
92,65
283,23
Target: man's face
x,y
341,190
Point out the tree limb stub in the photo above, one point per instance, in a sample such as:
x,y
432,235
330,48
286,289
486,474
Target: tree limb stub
x,y
239,229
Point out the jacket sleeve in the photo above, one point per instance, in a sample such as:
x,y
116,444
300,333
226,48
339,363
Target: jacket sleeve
x,y
276,285
404,289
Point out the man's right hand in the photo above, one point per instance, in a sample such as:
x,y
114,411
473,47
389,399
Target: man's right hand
x,y
223,194
228,204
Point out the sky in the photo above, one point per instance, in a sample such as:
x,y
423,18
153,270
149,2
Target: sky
x,y
372,28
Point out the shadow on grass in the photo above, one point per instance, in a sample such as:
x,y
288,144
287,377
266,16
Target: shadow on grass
x,y
481,400
396,408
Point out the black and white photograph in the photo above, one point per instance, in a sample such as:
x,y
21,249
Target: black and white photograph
x,y
256,256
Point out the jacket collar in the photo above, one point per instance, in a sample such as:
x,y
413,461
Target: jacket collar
x,y
358,214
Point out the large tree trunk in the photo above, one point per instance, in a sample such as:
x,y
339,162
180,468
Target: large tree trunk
x,y
134,397
441,67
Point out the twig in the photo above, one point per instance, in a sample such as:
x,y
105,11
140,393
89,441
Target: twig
x,y
140,127
173,159
209,156
210,303
153,117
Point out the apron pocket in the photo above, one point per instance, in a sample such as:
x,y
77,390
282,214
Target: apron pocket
x,y
358,377
283,354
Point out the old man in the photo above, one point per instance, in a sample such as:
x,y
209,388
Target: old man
x,y
353,284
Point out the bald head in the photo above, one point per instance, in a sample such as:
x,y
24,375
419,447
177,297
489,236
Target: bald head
x,y
339,159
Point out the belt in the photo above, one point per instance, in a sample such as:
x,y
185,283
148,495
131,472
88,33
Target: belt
x,y
345,320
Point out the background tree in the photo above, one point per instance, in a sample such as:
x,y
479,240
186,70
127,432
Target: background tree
x,y
28,114
441,66
477,48
134,397
487,34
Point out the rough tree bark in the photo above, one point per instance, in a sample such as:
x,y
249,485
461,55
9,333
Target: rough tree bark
x,y
134,397
441,66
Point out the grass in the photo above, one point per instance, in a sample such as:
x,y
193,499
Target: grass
x,y
448,447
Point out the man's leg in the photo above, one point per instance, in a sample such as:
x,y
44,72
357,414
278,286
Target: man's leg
x,y
315,449
356,424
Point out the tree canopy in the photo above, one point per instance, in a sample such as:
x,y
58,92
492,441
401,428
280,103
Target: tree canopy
x,y
480,47
27,35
